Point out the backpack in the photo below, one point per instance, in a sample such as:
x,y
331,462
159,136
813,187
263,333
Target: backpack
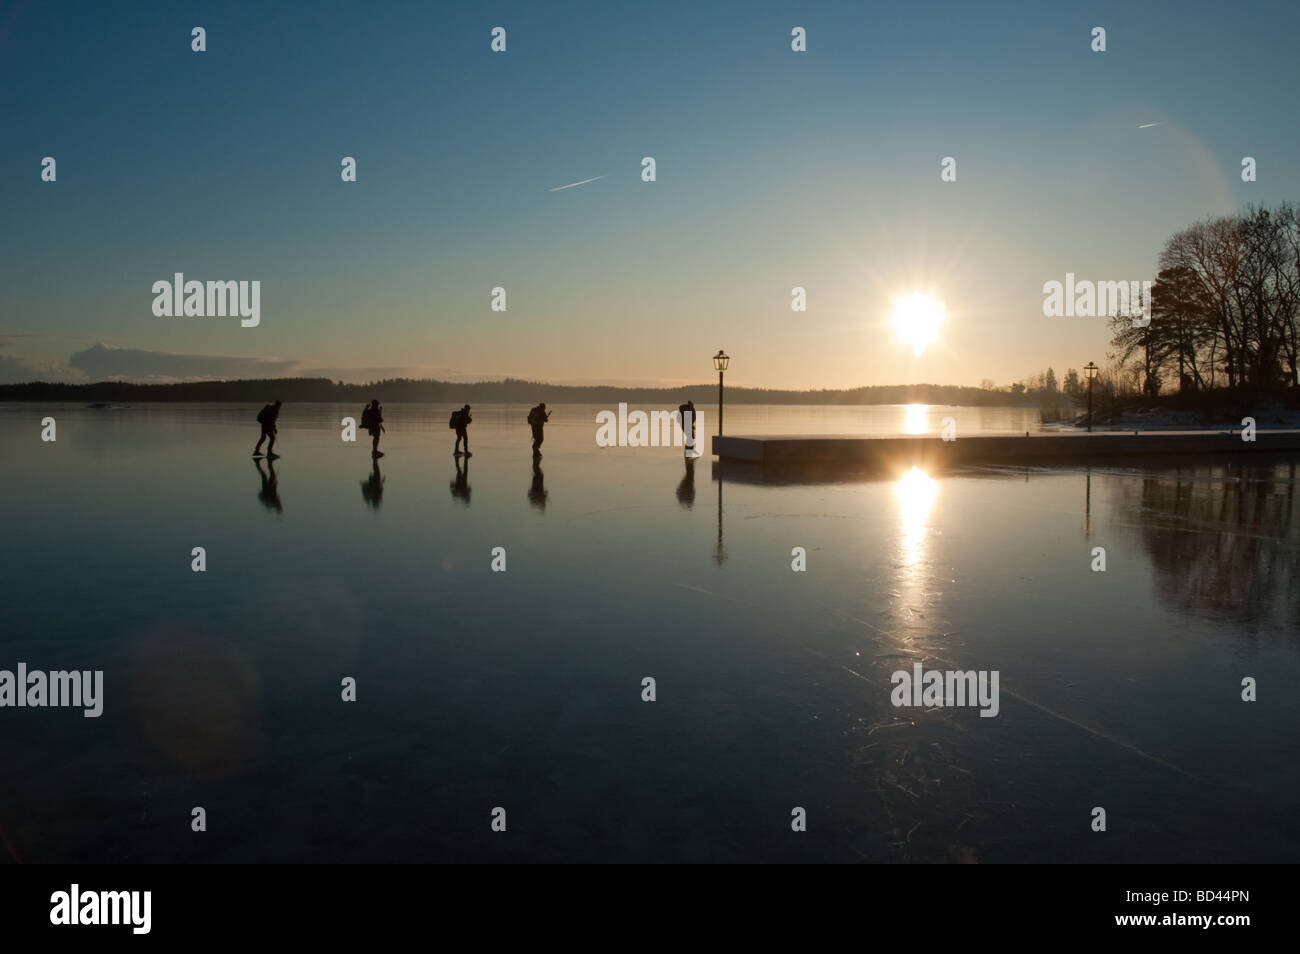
x,y
367,417
451,423
261,416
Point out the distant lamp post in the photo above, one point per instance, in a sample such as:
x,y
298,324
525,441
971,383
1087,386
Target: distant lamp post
x,y
720,362
1090,371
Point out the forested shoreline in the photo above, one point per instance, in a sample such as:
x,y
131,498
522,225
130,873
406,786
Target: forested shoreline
x,y
508,391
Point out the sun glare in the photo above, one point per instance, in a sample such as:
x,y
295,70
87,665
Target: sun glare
x,y
914,418
916,321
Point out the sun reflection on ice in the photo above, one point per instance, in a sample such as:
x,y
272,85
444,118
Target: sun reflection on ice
x,y
915,491
914,418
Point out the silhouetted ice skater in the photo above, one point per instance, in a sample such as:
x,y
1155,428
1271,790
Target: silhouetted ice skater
x,y
460,421
269,495
537,419
372,489
267,417
460,486
687,413
372,419
537,492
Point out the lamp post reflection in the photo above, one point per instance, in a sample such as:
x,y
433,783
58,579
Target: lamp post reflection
x,y
1087,503
720,551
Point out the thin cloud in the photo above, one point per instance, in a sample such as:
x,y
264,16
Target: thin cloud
x,y
1149,125
572,184
17,370
9,337
102,363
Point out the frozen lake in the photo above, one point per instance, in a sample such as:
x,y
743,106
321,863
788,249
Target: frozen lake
x,y
523,689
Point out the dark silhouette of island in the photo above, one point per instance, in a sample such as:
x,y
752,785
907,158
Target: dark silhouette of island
x,y
507,391
1056,401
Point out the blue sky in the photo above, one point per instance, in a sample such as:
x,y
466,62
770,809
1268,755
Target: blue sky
x,y
775,169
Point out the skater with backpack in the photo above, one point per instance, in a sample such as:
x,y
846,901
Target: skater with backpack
x,y
372,419
459,422
267,417
537,419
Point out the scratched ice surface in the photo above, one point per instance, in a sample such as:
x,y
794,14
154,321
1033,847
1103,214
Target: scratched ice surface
x,y
522,689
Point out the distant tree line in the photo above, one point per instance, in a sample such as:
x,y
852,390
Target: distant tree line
x,y
508,391
1055,399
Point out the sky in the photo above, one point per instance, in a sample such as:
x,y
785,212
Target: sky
x,y
774,169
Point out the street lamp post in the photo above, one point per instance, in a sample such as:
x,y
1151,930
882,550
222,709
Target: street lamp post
x,y
1090,371
720,362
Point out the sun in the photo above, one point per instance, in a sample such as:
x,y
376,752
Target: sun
x,y
916,321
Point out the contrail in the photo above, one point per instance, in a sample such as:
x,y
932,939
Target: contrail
x,y
1148,125
572,184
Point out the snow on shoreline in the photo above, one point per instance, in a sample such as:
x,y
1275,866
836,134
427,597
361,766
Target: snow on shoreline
x,y
1170,419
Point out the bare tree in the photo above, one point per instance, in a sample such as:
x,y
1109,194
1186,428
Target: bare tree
x,y
1227,297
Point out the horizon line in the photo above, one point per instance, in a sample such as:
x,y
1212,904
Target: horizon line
x,y
300,379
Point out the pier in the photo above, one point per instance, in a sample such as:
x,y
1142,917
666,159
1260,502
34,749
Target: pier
x,y
1037,447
